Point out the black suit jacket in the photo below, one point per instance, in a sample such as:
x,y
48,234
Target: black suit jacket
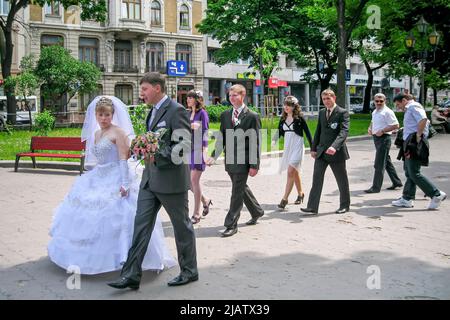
x,y
164,175
332,133
241,142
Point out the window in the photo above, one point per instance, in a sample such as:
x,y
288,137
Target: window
x,y
122,53
52,8
86,98
291,63
156,13
184,52
51,40
184,16
88,50
125,93
4,7
131,9
211,52
155,56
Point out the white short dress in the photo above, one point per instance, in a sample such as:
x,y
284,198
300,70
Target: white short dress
x,y
294,149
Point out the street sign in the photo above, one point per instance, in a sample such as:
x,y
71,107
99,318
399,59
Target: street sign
x,y
347,75
176,68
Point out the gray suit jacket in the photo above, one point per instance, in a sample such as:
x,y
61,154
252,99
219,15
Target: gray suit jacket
x,y
164,175
332,133
246,152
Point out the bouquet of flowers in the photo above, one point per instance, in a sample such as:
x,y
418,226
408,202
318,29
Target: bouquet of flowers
x,y
146,145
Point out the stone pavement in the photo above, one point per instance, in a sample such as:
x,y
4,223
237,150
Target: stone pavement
x,y
374,252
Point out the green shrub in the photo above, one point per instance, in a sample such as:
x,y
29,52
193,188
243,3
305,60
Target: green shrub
x,y
138,114
44,123
214,111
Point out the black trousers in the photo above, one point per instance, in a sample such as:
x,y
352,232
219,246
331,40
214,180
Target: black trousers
x,y
383,162
241,194
340,173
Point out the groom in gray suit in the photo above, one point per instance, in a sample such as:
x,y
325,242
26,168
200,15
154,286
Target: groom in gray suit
x,y
165,181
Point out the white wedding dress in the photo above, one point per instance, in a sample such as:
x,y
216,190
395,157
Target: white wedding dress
x,y
93,227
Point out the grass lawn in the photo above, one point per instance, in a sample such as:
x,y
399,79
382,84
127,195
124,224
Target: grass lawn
x,y
19,140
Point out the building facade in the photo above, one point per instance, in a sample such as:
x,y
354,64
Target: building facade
x,y
138,36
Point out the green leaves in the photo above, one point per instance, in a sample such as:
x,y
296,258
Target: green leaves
x,y
60,73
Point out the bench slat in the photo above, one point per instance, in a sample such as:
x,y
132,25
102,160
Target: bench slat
x,y
50,155
57,143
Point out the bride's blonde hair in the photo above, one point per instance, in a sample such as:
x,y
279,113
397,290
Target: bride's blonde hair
x,y
104,104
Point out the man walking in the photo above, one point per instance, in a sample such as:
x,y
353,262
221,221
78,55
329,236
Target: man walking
x,y
240,130
415,151
329,149
165,182
383,123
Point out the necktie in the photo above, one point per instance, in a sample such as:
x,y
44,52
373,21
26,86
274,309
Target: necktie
x,y
152,117
235,116
328,113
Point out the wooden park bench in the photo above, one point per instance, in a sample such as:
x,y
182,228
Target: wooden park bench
x,y
53,144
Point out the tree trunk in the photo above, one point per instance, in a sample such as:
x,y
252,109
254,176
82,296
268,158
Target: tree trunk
x,y
342,55
368,89
6,72
435,102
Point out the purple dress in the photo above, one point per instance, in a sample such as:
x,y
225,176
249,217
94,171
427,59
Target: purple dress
x,y
199,140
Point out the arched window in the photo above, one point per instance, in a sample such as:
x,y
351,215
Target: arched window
x,y
155,57
184,16
124,92
51,40
184,52
156,13
88,50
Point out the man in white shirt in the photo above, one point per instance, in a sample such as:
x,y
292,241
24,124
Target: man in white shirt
x,y
383,123
415,128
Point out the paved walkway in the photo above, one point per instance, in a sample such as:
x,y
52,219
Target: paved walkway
x,y
285,256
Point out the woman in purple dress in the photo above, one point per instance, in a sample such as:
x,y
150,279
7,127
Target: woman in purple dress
x,y
199,151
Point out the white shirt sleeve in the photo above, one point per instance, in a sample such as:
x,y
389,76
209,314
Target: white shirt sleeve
x,y
390,117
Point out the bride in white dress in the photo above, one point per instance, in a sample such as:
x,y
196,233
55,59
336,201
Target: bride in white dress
x,y
92,228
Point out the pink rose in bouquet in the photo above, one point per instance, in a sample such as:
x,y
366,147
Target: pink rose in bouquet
x,y
146,145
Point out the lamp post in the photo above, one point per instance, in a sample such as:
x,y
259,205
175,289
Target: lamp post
x,y
433,40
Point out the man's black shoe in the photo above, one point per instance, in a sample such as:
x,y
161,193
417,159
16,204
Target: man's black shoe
x,y
309,210
394,186
125,283
371,190
342,210
229,232
181,280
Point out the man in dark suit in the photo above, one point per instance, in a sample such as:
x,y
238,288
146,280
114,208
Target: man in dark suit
x,y
329,149
165,181
240,139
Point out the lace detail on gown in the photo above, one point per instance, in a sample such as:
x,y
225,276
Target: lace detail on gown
x,y
93,227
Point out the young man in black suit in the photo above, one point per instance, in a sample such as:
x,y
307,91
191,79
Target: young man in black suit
x,y
329,149
240,139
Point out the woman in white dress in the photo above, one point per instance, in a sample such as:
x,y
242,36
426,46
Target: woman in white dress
x,y
293,127
92,228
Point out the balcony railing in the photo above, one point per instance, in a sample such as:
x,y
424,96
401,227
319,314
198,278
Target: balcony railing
x,y
125,68
160,69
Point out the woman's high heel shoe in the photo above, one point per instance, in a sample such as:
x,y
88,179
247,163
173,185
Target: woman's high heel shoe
x,y
300,199
283,204
195,219
206,208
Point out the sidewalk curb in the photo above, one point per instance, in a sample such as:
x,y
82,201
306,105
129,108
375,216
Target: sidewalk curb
x,y
65,165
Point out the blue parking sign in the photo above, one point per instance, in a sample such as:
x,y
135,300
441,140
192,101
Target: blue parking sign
x,y
347,75
176,68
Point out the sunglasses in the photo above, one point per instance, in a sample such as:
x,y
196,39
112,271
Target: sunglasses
x,y
379,101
